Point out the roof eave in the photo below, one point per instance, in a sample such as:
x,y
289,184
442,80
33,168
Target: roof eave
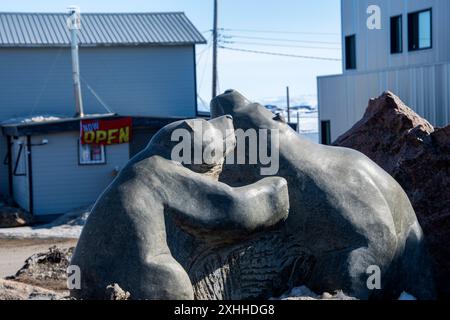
x,y
103,45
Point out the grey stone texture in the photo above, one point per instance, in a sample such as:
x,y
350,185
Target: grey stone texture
x,y
156,207
346,214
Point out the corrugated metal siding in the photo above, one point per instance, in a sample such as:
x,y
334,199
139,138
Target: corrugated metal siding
x,y
373,46
97,29
150,81
344,99
59,183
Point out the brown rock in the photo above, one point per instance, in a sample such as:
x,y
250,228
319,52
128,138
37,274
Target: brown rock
x,y
12,290
48,269
11,217
115,292
418,157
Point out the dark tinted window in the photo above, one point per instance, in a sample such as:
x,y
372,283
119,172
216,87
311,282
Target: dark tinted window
x,y
396,34
350,52
420,30
325,129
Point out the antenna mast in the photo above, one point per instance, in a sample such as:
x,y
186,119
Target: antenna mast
x,y
74,24
215,38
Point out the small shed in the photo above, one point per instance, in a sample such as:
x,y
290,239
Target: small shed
x,y
138,66
51,172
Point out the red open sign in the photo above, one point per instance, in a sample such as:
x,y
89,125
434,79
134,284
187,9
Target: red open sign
x,y
106,132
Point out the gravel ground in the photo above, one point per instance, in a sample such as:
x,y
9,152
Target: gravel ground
x,y
14,252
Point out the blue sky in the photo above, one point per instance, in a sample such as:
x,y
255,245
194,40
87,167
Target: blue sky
x,y
310,23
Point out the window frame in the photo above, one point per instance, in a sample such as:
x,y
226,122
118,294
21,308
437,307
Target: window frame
x,y
18,162
325,137
399,36
354,66
80,163
417,13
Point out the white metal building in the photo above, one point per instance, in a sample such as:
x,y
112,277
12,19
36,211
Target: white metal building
x,y
409,55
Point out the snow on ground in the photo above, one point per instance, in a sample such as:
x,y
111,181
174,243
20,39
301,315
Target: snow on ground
x,y
304,293
30,119
68,226
406,297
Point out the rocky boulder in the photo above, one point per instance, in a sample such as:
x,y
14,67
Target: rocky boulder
x,y
418,157
11,217
115,292
12,290
47,269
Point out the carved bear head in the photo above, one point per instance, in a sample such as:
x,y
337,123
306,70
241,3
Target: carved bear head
x,y
197,144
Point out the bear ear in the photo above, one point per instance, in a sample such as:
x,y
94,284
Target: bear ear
x,y
279,117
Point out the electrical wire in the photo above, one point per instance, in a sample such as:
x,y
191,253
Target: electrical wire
x,y
102,103
280,54
276,45
45,83
202,78
279,32
278,39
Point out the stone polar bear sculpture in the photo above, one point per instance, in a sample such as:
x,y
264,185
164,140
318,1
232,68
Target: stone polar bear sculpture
x,y
156,205
348,219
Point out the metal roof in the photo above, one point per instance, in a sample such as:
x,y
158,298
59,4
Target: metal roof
x,y
98,29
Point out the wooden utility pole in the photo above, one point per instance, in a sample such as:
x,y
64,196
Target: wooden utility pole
x,y
215,43
288,105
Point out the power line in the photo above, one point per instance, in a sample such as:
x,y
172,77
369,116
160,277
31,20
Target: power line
x,y
45,83
277,39
100,100
279,32
276,45
202,100
202,78
215,46
280,54
201,54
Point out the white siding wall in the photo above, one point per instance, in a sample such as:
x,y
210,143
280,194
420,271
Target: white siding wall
x,y
373,46
344,99
143,81
60,183
421,78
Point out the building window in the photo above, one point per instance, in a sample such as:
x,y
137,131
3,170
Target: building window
x,y
90,154
396,34
420,30
350,52
325,130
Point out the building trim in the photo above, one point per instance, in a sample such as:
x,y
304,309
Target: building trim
x,y
195,81
30,177
412,66
73,124
10,170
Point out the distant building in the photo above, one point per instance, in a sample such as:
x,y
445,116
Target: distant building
x,y
139,66
410,56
